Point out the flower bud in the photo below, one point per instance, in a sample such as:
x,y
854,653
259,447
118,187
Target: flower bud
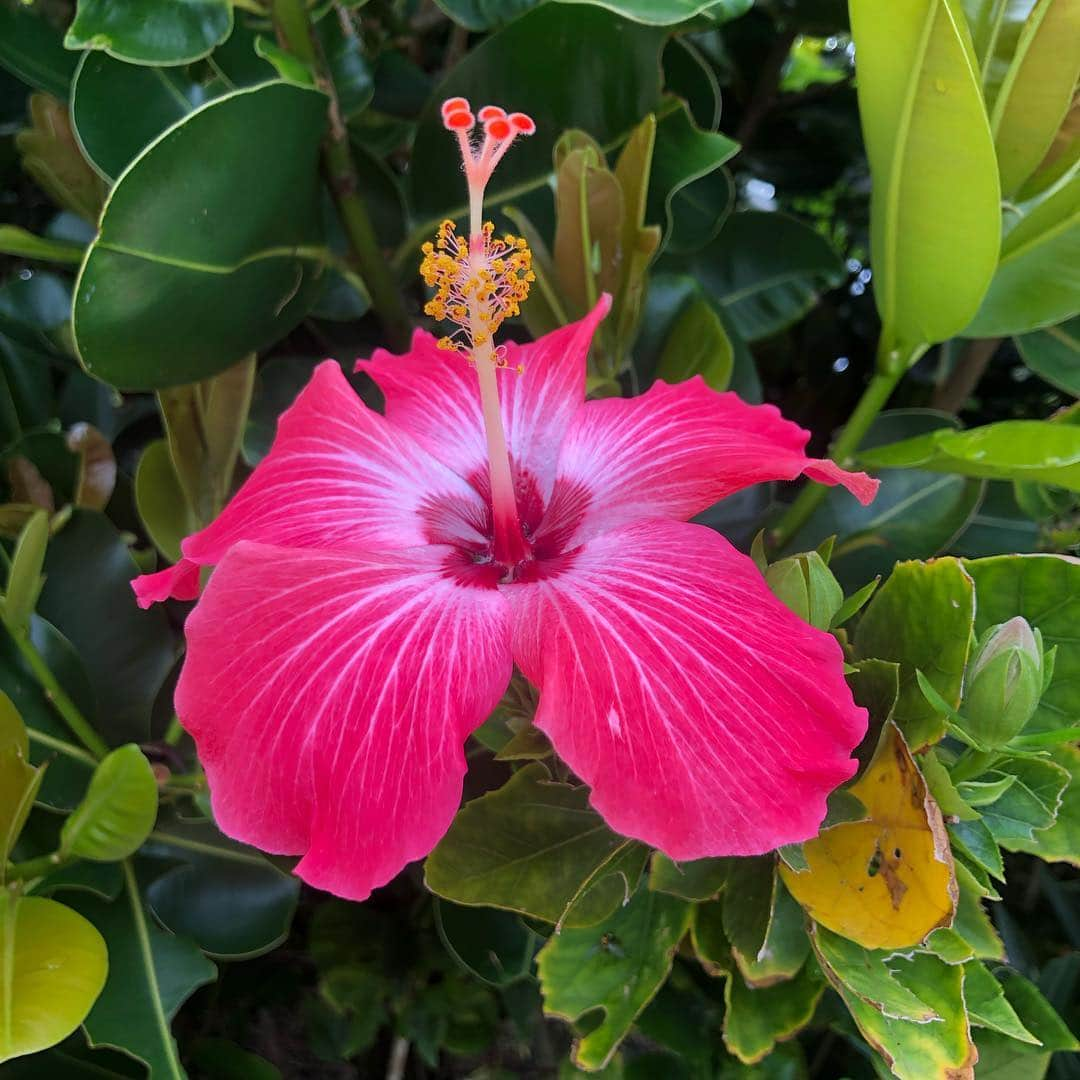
x,y
1004,682
806,585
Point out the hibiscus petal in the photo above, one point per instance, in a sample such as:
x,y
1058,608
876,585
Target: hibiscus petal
x,y
181,582
339,475
434,395
329,695
706,717
672,452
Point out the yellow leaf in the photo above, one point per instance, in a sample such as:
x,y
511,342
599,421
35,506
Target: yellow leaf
x,y
887,881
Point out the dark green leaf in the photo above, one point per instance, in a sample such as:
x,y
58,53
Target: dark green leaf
x,y
756,1019
31,47
493,945
1054,354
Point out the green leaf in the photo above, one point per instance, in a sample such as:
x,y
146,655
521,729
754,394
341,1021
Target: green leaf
x,y
31,48
118,811
700,879
1045,590
765,271
922,618
869,975
529,847
934,215
162,505
166,32
785,948
1029,450
698,345
1038,277
151,974
88,598
679,197
1037,1014
225,896
27,245
670,12
494,946
974,839
987,1005
1054,354
606,80
915,1050
971,921
1061,841
748,903
19,781
52,968
1029,804
277,383
1036,91
756,1019
24,578
160,302
617,966
479,15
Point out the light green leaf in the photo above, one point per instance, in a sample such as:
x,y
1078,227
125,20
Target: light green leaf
x,y
617,966
19,780
165,32
934,214
1061,841
670,12
1053,353
698,345
1037,90
118,811
162,301
987,1005
27,245
52,968
1037,281
24,578
922,619
971,921
162,505
530,847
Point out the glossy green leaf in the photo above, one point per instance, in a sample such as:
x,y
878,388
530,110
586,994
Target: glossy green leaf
x,y
52,968
935,217
225,896
530,846
680,198
606,80
277,382
974,839
1029,805
88,598
764,271
869,975
1036,91
756,1019
617,966
1061,841
921,618
697,345
1045,590
1054,354
972,922
118,811
700,879
995,26
918,1051
31,47
478,15
151,974
27,245
242,282
19,780
670,12
162,505
495,946
1038,278
166,32
987,1005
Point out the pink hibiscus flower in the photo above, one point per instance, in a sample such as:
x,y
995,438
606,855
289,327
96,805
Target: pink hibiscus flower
x,y
378,577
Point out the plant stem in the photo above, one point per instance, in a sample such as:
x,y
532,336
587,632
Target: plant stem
x,y
951,395
294,27
80,727
39,867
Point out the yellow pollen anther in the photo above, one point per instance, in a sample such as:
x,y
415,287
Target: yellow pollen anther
x,y
476,289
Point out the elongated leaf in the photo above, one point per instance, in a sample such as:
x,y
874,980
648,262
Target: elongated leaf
x,y
935,218
52,968
1037,281
1037,90
530,847
160,302
617,966
24,577
118,811
165,32
162,505
987,1005
151,974
1054,355
19,780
